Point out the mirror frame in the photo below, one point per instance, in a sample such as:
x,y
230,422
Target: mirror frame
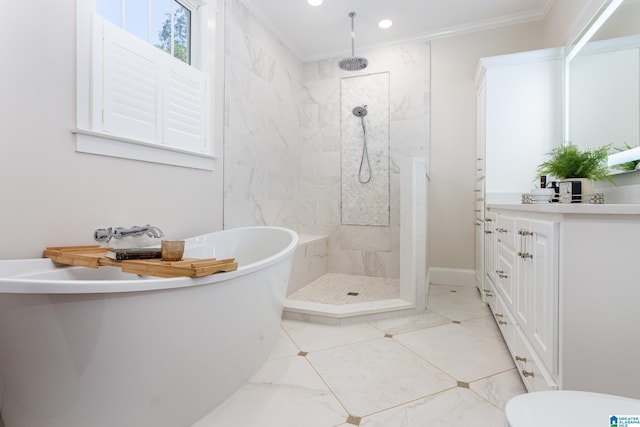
x,y
598,20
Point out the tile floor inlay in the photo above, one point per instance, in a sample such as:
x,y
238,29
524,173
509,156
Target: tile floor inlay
x,y
413,371
354,420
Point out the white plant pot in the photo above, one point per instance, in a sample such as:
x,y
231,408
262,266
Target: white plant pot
x,y
570,193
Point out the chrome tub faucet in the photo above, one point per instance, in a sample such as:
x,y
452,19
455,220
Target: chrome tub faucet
x,y
106,234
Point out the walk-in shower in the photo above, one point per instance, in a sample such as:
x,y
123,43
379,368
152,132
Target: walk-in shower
x,y
364,175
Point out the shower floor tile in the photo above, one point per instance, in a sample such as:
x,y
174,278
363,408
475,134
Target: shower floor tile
x,y
340,289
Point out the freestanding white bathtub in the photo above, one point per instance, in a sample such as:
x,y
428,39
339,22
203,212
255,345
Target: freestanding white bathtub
x,y
90,348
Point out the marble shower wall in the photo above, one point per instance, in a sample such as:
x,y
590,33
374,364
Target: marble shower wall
x,y
262,142
365,175
366,250
282,139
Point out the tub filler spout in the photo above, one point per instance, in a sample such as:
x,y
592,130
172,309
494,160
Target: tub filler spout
x,y
106,234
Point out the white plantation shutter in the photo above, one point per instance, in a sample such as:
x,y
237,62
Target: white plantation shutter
x,y
131,86
185,105
146,95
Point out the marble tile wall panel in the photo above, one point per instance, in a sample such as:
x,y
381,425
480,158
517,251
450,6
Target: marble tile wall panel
x,y
365,184
263,133
309,262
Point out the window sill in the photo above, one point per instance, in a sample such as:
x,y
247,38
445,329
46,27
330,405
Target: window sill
x,y
109,145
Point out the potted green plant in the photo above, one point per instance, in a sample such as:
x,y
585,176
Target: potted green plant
x,y
570,163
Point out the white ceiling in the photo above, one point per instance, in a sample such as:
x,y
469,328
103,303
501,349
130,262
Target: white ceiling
x,y
314,33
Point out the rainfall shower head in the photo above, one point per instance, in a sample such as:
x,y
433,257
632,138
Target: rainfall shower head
x,y
353,63
360,111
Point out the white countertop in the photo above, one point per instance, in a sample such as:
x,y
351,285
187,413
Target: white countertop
x,y
571,208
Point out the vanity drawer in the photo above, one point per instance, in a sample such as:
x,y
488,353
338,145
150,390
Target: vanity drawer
x,y
534,374
505,231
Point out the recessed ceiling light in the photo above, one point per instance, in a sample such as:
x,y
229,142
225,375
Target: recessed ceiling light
x,y
385,23
314,2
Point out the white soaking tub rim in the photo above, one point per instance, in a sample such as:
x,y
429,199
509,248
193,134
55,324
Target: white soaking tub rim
x,y
37,275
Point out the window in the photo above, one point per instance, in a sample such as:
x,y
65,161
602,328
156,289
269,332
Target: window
x,y
144,82
166,24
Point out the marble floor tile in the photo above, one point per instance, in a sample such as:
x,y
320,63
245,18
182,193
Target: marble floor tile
x,y
294,371
401,325
498,389
313,336
463,353
457,306
374,375
263,405
485,325
284,347
456,407
470,291
286,392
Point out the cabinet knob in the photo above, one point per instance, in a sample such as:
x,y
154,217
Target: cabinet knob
x,y
521,359
527,374
488,232
501,274
502,322
501,230
488,220
499,315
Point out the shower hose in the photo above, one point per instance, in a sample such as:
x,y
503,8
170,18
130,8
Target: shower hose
x,y
365,157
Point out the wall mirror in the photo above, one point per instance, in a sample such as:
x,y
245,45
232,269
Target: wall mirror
x,y
603,82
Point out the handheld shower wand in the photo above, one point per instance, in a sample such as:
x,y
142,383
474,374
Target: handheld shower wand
x,y
363,176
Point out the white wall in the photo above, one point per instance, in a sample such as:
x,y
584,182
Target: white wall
x,y
567,18
453,136
51,195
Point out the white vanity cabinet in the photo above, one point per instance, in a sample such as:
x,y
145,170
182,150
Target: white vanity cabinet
x,y
525,265
568,294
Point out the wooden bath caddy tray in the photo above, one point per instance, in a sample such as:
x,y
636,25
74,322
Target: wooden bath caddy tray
x,y
94,257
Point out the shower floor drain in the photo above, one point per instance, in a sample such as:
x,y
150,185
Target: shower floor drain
x,y
353,294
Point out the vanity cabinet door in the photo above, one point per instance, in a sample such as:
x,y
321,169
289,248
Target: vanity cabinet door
x,y
536,289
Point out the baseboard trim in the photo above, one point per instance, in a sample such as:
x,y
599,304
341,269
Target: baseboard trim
x,y
452,276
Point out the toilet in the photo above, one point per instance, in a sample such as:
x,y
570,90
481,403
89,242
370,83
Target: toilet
x,y
571,408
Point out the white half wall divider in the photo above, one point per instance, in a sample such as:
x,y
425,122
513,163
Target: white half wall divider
x,y
413,231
